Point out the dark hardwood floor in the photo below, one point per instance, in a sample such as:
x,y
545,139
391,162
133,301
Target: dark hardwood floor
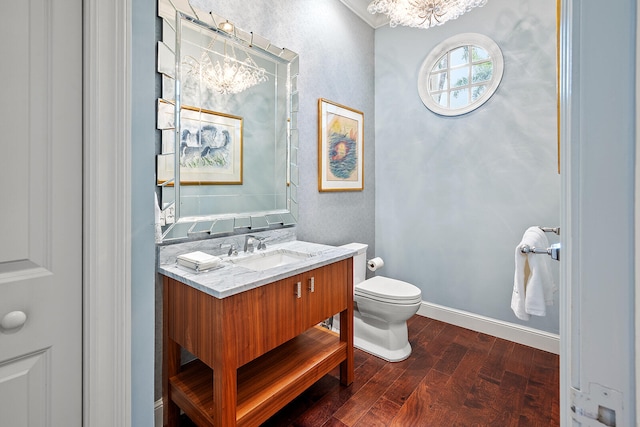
x,y
454,377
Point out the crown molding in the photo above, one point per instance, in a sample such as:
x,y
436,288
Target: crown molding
x,y
359,7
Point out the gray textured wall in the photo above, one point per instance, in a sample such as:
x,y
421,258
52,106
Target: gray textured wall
x,y
455,195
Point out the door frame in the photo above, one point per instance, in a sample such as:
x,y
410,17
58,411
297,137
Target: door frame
x,y
574,15
637,220
107,213
564,134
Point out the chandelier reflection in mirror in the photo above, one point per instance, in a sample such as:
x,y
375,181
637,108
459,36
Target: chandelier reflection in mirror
x,y
422,13
229,77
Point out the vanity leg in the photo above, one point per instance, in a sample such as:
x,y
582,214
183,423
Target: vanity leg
x,y
170,364
225,391
346,334
225,376
346,330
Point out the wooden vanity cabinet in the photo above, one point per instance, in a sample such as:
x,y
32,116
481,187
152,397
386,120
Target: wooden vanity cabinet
x,y
256,350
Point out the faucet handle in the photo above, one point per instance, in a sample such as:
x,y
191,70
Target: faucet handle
x,y
261,243
233,249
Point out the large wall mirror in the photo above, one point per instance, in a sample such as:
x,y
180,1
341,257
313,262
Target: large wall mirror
x,y
228,119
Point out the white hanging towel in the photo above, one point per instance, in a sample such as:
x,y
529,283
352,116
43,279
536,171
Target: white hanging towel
x,y
533,284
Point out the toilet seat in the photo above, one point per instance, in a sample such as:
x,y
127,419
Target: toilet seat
x,y
388,290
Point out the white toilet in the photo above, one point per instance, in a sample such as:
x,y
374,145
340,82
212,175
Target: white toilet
x,y
381,310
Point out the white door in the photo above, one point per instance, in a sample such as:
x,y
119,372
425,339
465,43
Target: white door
x,y
597,354
41,215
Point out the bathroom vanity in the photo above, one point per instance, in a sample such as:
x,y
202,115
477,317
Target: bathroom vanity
x,y
254,334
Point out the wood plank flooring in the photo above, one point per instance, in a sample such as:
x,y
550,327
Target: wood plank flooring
x,y
454,378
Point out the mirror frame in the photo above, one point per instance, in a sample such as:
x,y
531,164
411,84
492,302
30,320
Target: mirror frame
x,y
189,227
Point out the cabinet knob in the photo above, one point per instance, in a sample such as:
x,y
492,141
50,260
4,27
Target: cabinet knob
x,y
13,320
312,284
298,291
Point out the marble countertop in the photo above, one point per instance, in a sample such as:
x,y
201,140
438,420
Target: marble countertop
x,y
231,279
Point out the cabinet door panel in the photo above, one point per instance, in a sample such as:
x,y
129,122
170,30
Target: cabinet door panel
x,y
265,317
325,290
185,321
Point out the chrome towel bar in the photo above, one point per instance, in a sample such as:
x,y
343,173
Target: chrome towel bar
x,y
553,251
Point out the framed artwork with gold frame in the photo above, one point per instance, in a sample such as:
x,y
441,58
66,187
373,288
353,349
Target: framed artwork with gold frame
x,y
340,147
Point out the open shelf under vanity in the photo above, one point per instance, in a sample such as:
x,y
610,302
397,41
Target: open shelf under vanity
x,y
265,383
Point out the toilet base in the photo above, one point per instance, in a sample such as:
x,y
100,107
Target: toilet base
x,y
388,341
384,340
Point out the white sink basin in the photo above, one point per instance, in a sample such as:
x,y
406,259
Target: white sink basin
x,y
261,261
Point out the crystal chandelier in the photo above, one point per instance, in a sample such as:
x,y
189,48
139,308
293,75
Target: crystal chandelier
x,y
422,13
229,77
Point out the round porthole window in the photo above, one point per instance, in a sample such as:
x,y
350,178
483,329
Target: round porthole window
x,y
460,74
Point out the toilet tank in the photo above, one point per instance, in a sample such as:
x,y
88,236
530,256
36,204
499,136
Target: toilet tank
x,y
359,261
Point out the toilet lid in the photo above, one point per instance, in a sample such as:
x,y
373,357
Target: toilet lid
x,y
390,290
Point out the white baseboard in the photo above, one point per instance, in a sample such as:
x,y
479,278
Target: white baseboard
x,y
509,331
157,413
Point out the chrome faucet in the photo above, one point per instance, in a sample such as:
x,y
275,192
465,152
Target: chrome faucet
x,y
250,241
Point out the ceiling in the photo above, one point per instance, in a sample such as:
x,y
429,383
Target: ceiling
x,y
359,7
